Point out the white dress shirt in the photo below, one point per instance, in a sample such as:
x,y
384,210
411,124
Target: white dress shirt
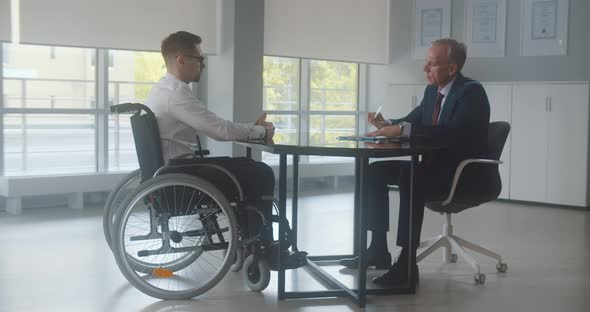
x,y
181,116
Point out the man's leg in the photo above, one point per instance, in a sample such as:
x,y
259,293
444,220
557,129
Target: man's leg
x,y
381,174
257,181
428,185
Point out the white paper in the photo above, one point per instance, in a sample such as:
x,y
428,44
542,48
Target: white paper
x,y
485,16
431,26
544,20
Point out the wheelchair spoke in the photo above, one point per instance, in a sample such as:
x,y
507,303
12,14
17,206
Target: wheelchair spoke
x,y
177,237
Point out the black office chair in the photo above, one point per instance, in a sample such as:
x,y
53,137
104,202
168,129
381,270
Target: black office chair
x,y
462,197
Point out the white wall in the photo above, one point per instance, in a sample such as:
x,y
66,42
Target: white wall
x,y
513,67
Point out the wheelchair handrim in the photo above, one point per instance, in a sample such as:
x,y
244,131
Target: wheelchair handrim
x,y
185,180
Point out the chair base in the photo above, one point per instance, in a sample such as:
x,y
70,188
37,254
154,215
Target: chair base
x,y
455,246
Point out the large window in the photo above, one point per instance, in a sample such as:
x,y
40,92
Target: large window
x,y
52,120
311,101
131,78
49,110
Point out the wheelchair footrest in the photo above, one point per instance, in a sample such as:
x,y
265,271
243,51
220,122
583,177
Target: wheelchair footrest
x,y
289,260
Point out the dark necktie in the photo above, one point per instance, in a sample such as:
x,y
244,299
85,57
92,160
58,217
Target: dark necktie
x,y
436,112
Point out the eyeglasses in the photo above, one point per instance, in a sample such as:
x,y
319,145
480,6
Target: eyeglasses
x,y
200,58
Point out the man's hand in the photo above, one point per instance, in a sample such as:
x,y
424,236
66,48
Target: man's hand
x,y
388,131
377,120
268,126
270,131
261,120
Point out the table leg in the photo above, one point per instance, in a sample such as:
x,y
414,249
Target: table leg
x,y
363,166
294,198
282,213
357,207
412,262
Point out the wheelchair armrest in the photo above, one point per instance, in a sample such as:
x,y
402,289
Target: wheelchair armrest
x,y
459,170
197,151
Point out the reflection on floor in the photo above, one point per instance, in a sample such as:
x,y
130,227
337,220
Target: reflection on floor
x,y
56,260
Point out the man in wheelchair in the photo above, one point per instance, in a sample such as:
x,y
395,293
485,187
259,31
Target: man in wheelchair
x,y
217,193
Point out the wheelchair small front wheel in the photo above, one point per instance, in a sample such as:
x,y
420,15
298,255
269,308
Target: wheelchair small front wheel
x,y
256,273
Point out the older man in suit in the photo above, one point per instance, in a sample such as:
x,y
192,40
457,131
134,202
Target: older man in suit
x,y
454,113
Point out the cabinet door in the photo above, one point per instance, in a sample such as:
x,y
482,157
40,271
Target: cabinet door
x,y
568,144
500,97
528,152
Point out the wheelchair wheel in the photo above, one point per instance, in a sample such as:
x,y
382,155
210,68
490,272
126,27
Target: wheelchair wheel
x,y
176,237
238,259
256,273
114,202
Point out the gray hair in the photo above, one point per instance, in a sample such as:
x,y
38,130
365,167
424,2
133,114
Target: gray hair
x,y
457,51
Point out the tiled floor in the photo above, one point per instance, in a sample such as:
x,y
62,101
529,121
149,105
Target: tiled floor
x,y
56,260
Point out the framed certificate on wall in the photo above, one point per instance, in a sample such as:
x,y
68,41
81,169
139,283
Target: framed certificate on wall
x,y
485,27
544,27
432,21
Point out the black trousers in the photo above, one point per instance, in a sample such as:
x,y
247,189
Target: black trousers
x,y
430,184
257,181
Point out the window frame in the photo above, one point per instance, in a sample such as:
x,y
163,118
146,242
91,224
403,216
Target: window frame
x,y
100,111
304,113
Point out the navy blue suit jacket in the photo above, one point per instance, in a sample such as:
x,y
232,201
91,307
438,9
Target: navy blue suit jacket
x,y
462,126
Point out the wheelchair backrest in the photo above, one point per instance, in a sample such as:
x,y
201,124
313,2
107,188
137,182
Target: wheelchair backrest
x,y
146,135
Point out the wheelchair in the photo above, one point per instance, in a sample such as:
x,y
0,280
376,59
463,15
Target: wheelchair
x,y
175,235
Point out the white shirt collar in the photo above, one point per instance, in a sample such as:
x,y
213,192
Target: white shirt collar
x,y
445,91
169,76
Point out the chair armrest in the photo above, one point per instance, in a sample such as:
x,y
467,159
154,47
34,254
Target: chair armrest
x,y
459,170
196,148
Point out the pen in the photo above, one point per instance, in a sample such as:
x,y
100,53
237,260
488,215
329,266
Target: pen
x,y
378,111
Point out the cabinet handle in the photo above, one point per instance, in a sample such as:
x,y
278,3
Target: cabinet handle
x,y
547,104
414,101
550,104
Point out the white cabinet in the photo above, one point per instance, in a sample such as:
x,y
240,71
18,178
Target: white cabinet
x,y
549,150
546,154
402,99
500,98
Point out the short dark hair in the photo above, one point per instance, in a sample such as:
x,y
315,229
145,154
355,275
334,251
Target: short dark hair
x,y
180,41
457,51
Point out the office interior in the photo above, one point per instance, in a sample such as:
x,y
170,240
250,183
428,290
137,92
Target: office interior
x,y
317,67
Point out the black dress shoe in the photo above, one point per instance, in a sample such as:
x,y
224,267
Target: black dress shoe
x,y
380,262
397,275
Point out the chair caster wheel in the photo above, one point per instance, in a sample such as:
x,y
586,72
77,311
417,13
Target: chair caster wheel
x,y
479,278
256,273
502,267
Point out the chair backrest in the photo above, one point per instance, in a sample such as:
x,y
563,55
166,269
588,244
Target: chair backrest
x,y
497,135
489,184
146,136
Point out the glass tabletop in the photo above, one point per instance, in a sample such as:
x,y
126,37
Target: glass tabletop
x,y
347,148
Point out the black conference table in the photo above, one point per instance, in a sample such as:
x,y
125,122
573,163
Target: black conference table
x,y
361,152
